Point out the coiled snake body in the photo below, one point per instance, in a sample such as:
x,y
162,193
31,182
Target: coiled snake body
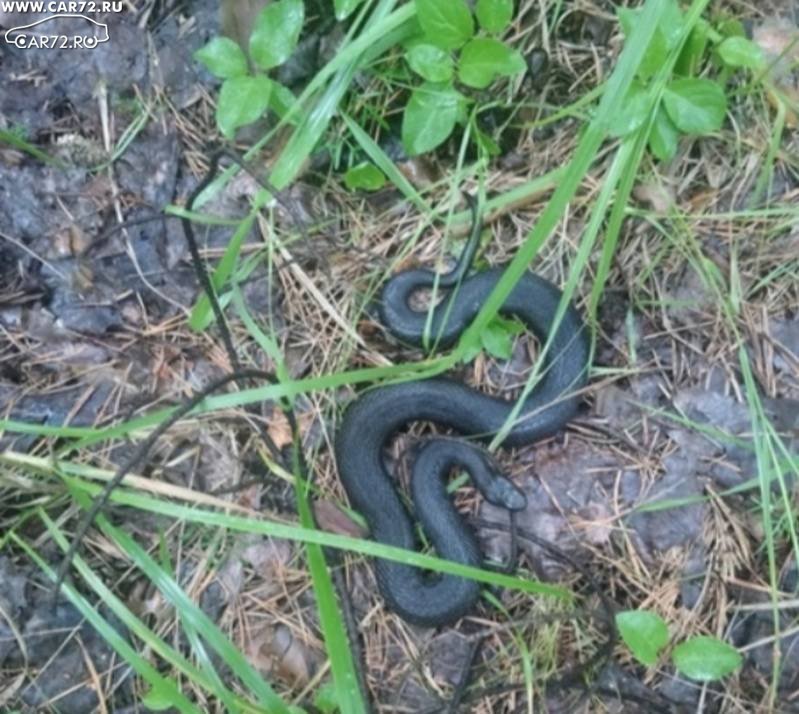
x,y
371,420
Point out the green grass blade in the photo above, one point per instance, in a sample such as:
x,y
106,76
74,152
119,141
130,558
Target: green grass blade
x,y
267,343
342,664
595,133
201,315
206,517
12,139
160,686
174,594
133,623
379,157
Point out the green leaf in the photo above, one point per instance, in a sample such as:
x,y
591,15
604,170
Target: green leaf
x,y
447,24
645,633
281,99
429,117
664,136
430,62
670,26
242,100
696,106
345,8
731,27
693,51
655,57
511,325
706,658
494,15
223,58
496,341
740,52
671,23
485,58
634,112
656,52
364,176
276,32
470,351
663,40
497,338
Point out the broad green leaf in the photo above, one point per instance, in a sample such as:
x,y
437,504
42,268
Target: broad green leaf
x,y
666,34
657,50
223,58
497,338
664,136
511,325
654,58
669,28
429,117
494,15
672,23
281,100
345,8
365,176
242,100
731,27
431,62
323,96
485,58
471,349
634,112
645,633
276,32
696,106
497,342
693,51
706,658
740,52
446,24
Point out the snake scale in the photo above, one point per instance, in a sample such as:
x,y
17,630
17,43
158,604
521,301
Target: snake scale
x,y
376,415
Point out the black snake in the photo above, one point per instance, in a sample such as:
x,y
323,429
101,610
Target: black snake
x,y
376,415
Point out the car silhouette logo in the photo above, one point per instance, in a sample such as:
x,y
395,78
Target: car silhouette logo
x,y
18,35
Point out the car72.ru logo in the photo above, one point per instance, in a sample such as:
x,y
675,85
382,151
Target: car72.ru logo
x,y
75,31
